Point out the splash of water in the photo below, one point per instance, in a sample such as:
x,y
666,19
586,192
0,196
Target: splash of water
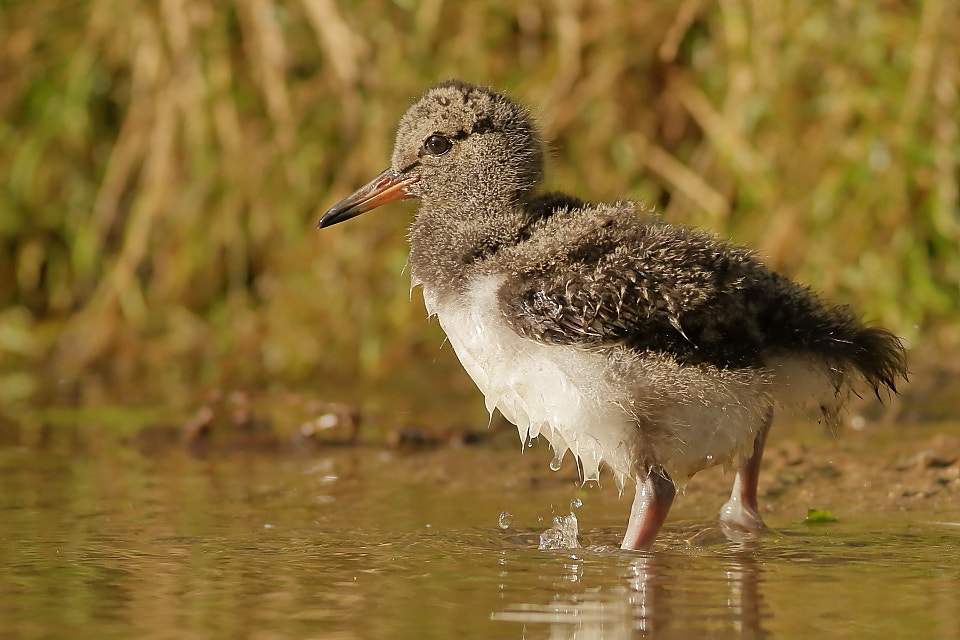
x,y
563,534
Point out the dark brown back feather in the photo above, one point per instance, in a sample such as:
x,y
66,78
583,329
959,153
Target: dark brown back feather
x,y
656,287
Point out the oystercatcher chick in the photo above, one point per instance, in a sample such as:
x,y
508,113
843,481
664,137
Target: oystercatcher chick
x,y
651,349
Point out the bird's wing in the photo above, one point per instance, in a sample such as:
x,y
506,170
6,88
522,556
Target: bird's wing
x,y
654,287
606,279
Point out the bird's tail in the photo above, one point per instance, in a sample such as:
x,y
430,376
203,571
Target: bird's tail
x,y
836,335
877,354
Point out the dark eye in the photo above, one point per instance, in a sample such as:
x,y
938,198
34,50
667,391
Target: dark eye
x,y
437,145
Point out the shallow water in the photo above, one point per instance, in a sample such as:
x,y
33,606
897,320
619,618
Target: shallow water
x,y
375,543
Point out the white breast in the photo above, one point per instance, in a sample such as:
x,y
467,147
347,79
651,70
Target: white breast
x,y
612,408
560,392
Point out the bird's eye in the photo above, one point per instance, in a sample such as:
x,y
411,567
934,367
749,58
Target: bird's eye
x,y
437,145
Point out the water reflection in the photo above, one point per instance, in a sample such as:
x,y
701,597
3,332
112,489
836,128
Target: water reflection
x,y
366,543
654,594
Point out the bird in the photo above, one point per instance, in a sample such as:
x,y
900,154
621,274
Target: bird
x,y
649,349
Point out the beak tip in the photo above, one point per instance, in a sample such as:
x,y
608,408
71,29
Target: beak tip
x,y
333,216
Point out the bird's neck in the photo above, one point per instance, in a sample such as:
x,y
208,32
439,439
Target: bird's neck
x,y
449,244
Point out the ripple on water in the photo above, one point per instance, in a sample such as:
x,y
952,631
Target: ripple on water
x,y
176,546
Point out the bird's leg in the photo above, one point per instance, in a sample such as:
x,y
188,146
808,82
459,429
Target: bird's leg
x,y
650,506
741,509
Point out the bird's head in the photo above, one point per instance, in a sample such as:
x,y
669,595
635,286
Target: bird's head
x,y
460,147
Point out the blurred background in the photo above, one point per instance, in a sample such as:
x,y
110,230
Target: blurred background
x,y
164,165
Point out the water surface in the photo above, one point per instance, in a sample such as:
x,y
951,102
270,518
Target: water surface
x,y
367,542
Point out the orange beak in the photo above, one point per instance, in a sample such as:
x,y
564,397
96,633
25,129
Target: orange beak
x,y
386,187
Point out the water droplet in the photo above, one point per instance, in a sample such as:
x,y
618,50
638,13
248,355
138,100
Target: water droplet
x,y
506,519
576,503
557,461
551,539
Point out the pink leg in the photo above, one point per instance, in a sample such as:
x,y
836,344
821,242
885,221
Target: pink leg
x,y
650,506
741,509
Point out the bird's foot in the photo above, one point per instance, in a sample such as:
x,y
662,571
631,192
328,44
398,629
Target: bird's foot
x,y
736,513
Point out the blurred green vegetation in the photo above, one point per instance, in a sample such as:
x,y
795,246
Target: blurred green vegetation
x,y
164,164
